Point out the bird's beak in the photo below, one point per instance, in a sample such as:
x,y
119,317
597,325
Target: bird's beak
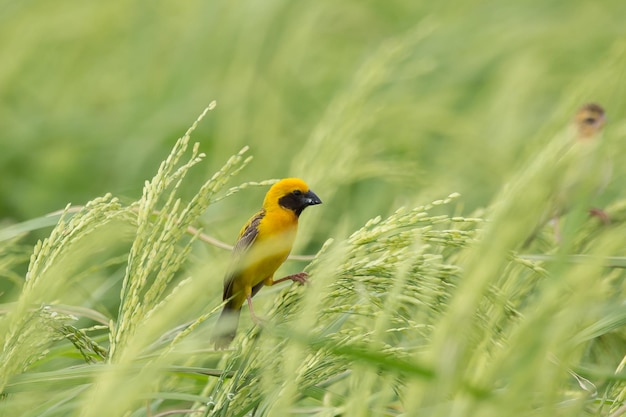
x,y
310,199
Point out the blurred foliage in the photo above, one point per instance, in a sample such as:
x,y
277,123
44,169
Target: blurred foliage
x,y
377,105
93,94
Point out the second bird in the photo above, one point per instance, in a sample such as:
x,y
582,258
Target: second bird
x,y
263,245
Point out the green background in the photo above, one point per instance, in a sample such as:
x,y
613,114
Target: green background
x,y
424,98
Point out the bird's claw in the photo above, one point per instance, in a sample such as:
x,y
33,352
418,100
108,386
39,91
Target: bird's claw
x,y
257,320
301,277
600,214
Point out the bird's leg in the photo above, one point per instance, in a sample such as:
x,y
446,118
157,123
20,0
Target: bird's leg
x,y
600,214
253,316
300,277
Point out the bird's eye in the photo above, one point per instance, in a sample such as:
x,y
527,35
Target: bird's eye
x,y
297,192
590,120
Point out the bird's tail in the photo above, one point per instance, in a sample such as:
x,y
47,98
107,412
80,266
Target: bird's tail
x,y
226,327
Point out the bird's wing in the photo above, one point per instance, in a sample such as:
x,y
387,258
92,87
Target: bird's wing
x,y
247,236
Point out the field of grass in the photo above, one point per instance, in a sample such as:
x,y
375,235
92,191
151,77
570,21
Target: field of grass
x,y
434,135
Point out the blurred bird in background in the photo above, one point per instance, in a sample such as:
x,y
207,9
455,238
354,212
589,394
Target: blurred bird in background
x,y
588,165
590,120
582,170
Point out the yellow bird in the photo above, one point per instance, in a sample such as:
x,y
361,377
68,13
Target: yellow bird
x,y
263,245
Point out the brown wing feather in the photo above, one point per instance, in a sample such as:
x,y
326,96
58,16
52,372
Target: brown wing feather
x,y
246,237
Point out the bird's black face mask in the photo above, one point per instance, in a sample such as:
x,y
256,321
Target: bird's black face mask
x,y
298,201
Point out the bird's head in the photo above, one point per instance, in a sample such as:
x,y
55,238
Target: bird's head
x,y
291,194
589,120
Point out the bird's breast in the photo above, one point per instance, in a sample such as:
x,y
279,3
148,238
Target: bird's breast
x,y
271,247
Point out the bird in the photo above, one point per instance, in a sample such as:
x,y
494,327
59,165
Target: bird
x,y
583,168
264,243
589,121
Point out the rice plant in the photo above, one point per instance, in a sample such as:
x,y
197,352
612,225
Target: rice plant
x,y
423,312
447,277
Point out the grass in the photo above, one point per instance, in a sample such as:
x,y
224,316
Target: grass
x,y
403,317
434,136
